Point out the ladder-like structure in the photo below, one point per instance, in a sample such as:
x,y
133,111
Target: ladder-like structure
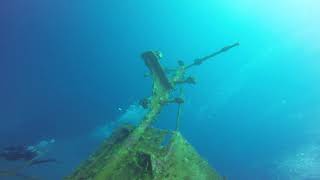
x,y
142,152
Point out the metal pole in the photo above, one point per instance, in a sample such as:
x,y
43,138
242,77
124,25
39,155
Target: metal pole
x,y
201,60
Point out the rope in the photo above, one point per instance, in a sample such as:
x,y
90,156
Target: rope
x,y
179,111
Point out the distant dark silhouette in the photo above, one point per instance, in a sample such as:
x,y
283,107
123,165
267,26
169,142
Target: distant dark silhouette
x,y
30,154
15,153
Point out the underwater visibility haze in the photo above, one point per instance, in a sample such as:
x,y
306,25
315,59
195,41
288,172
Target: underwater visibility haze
x,y
71,72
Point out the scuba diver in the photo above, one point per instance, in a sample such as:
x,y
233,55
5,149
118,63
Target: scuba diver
x,y
30,154
14,153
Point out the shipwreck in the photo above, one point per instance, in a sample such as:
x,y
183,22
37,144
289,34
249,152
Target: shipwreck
x,y
138,152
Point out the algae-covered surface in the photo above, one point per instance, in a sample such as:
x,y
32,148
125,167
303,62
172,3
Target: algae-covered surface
x,y
148,159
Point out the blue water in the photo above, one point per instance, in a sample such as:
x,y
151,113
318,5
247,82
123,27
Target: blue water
x,y
68,68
